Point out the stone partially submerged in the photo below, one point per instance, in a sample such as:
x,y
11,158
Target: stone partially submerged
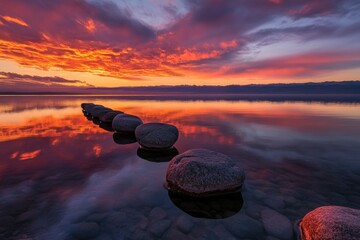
x,y
109,116
84,105
97,111
126,122
156,135
331,222
201,172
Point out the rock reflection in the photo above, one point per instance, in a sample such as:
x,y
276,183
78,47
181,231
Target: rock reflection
x,y
156,155
124,138
217,207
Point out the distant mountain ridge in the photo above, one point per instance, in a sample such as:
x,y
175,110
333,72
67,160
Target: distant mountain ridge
x,y
344,87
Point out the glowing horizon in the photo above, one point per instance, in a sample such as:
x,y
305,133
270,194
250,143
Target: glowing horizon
x,y
135,43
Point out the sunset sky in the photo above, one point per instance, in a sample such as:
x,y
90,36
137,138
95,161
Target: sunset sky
x,y
70,43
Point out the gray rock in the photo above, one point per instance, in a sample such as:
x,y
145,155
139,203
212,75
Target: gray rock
x,y
84,105
244,226
157,213
159,227
184,224
275,202
156,135
109,116
126,122
201,172
85,230
97,111
276,224
89,107
331,222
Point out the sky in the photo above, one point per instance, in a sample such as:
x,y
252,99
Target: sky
x,y
66,44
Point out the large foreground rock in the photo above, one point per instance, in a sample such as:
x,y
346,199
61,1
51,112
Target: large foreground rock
x,y
331,222
126,122
201,172
109,116
156,135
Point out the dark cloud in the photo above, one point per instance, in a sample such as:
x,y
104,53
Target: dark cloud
x,y
13,82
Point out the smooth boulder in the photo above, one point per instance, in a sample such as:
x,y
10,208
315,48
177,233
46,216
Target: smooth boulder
x,y
126,122
201,173
156,135
331,222
97,111
109,116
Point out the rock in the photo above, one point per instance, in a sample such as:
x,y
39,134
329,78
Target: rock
x,y
275,202
84,105
97,111
156,135
126,122
157,213
159,227
184,224
201,172
85,230
109,116
244,227
276,224
331,222
89,108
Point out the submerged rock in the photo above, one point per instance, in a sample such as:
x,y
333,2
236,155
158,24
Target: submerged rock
x,y
156,135
85,230
331,222
109,116
276,224
126,122
201,172
97,111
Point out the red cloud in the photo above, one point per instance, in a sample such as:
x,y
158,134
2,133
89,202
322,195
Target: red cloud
x,y
100,38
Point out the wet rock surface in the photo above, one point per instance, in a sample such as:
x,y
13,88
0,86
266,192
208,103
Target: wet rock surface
x,y
126,122
276,224
98,111
331,222
156,135
109,116
201,172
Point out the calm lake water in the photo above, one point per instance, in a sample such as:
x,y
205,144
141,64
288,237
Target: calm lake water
x,y
64,177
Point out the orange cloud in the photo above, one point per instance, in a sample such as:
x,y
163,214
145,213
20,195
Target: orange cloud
x,y
15,20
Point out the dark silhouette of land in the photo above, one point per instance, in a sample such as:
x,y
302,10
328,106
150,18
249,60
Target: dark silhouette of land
x,y
346,91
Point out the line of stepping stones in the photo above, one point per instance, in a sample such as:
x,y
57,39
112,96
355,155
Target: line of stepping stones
x,y
204,174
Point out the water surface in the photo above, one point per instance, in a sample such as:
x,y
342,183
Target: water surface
x,y
64,177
